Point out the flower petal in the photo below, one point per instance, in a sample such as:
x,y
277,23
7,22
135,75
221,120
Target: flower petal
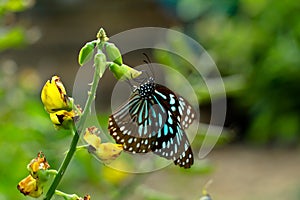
x,y
54,96
28,186
107,152
90,136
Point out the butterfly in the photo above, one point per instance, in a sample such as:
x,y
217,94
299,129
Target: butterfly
x,y
153,120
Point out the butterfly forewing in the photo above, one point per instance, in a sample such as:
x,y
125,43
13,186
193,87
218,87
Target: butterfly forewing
x,y
135,124
178,105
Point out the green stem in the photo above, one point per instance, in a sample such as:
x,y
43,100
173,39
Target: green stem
x,y
91,97
65,195
76,133
63,166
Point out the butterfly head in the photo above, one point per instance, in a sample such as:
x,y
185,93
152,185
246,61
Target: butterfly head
x,y
146,89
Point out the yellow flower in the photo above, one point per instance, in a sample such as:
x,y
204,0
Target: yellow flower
x,y
106,152
87,197
33,184
205,195
54,96
90,136
28,186
38,163
62,118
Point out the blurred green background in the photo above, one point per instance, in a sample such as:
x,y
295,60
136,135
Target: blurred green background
x,y
256,46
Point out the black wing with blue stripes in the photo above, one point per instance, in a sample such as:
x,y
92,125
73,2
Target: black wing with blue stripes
x,y
154,119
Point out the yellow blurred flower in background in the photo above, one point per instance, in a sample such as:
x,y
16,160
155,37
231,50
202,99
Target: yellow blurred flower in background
x,y
114,176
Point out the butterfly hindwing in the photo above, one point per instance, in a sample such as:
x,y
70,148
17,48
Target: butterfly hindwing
x,y
172,140
130,143
186,112
136,123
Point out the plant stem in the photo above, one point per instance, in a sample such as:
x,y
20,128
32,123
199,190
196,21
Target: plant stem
x,y
63,166
76,132
91,97
65,195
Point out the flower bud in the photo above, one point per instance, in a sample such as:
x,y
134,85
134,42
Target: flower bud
x,y
106,152
72,196
206,197
29,186
101,35
86,52
39,175
38,163
87,197
123,72
91,136
54,96
100,63
113,53
62,119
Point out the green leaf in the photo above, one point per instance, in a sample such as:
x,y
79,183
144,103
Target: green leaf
x,y
122,72
86,52
113,53
14,37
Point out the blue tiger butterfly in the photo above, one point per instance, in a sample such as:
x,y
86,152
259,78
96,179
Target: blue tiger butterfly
x,y
153,120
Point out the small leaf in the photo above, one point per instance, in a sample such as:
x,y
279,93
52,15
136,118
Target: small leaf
x,y
113,53
86,52
122,72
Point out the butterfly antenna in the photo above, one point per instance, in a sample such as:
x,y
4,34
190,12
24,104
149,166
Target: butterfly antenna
x,y
130,84
148,61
